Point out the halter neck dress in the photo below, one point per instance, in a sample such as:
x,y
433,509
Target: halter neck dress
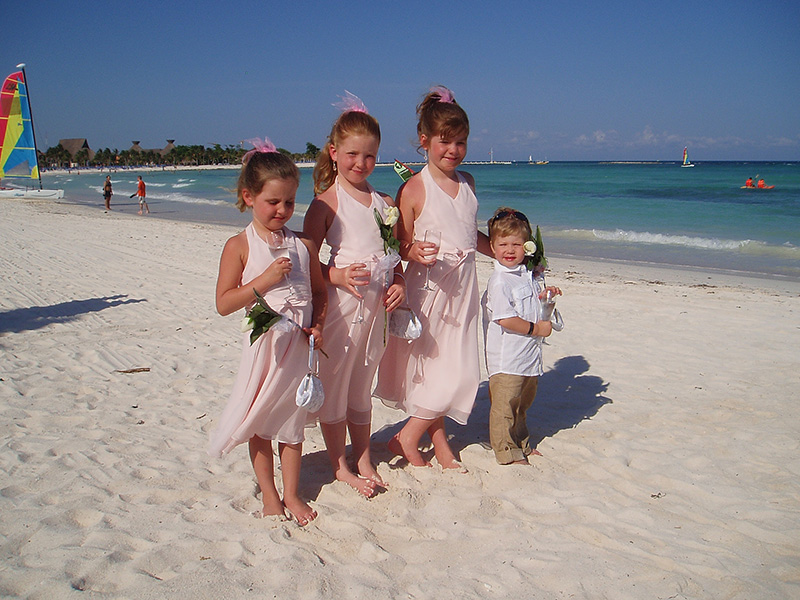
x,y
262,402
354,349
438,373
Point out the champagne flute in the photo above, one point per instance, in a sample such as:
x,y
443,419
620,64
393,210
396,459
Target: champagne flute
x,y
359,318
434,237
277,242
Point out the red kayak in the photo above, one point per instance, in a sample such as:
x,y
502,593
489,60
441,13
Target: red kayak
x,y
752,187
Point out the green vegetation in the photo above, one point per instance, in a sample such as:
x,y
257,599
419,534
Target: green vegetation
x,y
58,157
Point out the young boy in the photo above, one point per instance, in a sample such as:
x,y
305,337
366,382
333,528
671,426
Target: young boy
x,y
514,334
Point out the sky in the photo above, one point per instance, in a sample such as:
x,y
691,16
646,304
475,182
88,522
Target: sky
x,y
561,80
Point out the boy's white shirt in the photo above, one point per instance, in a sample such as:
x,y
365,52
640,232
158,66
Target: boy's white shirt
x,y
511,292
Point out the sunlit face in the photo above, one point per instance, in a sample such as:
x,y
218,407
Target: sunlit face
x,y
445,153
355,157
508,249
273,206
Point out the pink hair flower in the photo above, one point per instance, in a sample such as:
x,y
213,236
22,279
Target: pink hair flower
x,y
350,103
259,145
445,95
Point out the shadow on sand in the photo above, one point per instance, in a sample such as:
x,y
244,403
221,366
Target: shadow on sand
x,y
36,317
565,397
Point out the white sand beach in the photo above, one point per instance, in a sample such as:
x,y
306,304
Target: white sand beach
x,y
667,418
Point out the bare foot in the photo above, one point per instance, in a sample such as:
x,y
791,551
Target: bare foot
x,y
413,456
368,471
533,451
301,511
140,212
454,464
522,461
364,486
273,507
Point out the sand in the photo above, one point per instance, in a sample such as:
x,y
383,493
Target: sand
x,y
667,420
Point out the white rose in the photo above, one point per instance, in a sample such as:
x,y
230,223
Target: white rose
x,y
392,215
529,247
246,325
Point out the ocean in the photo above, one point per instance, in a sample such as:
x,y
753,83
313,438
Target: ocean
x,y
652,213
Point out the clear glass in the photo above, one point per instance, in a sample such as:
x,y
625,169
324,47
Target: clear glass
x,y
434,237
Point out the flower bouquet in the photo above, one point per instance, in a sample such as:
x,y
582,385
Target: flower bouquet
x,y
260,318
535,259
387,228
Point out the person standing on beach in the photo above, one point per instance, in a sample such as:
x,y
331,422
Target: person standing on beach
x,y
141,192
437,374
262,406
107,192
360,270
514,333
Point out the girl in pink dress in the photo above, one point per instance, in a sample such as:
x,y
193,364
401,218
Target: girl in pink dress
x,y
360,270
437,375
262,404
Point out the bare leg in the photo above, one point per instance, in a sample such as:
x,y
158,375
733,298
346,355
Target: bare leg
x,y
360,438
441,447
406,442
291,455
261,457
334,435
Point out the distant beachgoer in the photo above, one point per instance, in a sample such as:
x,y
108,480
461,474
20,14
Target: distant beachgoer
x,y
749,182
761,183
514,335
107,192
140,191
262,408
437,375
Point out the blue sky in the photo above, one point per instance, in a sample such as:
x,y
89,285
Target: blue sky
x,y
582,80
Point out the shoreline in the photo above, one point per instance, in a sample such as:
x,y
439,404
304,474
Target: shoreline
x,y
666,418
227,214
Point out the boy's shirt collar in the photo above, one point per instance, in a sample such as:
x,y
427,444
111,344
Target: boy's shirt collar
x,y
518,270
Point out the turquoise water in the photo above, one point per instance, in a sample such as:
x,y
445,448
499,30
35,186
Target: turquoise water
x,y
661,213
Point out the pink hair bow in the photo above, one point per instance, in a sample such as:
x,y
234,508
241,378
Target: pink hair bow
x,y
259,145
445,95
351,103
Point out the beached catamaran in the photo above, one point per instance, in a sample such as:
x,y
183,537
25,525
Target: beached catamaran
x,y
18,156
686,162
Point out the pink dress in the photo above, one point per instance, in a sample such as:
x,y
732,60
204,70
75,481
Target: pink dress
x,y
262,402
355,349
438,373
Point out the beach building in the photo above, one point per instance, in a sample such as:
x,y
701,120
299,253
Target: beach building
x,y
78,149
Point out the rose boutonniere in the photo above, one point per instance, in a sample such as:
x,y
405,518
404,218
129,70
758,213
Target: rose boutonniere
x,y
387,228
535,259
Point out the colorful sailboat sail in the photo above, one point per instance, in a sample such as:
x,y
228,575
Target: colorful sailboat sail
x,y
18,156
686,162
18,152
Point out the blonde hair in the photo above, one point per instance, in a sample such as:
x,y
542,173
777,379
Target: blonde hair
x,y
509,221
349,123
439,114
261,167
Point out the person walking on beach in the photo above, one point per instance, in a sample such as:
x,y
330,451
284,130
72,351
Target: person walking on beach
x,y
107,192
514,333
365,284
262,406
437,374
141,192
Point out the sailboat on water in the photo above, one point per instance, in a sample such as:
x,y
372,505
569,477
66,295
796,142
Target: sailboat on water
x,y
686,162
18,156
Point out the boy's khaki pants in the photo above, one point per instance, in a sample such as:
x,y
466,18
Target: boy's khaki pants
x,y
511,397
